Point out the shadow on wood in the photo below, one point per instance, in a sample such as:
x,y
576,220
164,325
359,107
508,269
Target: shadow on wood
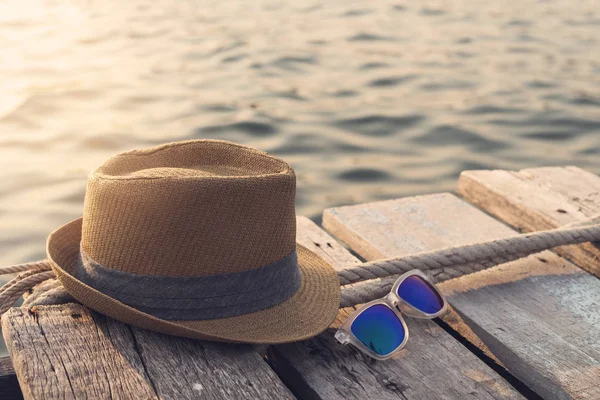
x,y
9,386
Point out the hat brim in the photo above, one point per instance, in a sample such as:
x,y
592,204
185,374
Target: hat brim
x,y
307,313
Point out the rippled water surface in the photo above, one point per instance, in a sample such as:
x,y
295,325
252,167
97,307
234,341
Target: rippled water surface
x,y
367,100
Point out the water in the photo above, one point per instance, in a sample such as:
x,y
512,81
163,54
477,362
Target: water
x,y
367,100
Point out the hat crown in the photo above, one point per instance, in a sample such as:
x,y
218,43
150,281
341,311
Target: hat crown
x,y
195,208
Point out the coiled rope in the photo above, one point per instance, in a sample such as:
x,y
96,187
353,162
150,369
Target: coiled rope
x,y
31,274
440,265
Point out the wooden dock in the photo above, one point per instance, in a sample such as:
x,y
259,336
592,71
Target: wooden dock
x,y
526,329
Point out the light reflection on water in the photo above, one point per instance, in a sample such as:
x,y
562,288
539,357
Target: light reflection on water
x,y
367,100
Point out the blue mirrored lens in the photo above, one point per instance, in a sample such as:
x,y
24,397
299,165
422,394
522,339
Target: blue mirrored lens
x,y
379,329
419,294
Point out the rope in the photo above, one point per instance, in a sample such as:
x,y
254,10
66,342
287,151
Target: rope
x,y
49,292
16,288
441,265
31,274
13,269
364,292
484,254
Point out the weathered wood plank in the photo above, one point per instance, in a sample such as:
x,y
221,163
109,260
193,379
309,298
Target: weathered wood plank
x,y
186,369
60,352
539,316
67,351
539,198
432,366
9,386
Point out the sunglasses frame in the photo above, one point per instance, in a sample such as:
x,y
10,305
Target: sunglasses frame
x,y
395,303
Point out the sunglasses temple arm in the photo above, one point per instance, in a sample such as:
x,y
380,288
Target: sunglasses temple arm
x,y
478,256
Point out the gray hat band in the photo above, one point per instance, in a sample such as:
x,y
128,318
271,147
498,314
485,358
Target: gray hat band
x,y
196,297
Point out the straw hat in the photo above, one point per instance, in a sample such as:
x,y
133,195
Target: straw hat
x,y
196,239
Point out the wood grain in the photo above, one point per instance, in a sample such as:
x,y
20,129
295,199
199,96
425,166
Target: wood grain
x,y
539,198
539,316
432,366
186,369
67,351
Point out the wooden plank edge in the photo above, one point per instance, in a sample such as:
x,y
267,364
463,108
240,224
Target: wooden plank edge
x,y
483,196
493,203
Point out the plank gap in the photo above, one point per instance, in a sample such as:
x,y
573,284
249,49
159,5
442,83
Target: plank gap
x,y
9,385
289,375
494,364
138,350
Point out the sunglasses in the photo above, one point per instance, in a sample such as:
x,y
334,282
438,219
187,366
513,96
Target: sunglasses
x,y
378,329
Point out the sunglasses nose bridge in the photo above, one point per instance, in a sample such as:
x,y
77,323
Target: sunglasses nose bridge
x,y
391,299
394,300
407,310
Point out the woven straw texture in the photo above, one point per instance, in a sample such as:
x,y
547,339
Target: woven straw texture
x,y
214,204
196,208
